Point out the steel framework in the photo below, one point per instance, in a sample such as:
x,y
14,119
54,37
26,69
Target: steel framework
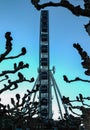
x,y
45,79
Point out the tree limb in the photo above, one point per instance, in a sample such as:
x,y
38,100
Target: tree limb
x,y
16,68
84,56
9,48
15,83
76,10
76,79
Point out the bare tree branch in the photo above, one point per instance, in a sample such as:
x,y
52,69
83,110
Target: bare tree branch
x,y
23,52
76,79
84,57
9,48
6,77
21,65
76,10
15,83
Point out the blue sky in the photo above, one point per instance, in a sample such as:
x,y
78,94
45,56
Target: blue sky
x,y
23,20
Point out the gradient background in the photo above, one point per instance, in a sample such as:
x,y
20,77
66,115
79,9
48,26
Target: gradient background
x,y
23,20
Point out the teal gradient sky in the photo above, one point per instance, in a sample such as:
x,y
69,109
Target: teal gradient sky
x,y
23,20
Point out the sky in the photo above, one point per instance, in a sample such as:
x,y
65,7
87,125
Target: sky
x,y
23,21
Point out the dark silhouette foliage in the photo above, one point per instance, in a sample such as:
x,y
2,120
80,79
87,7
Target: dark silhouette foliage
x,y
76,10
13,84
85,63
20,108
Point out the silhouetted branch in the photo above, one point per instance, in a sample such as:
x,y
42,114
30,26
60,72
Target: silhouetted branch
x,y
80,99
83,54
85,64
25,108
76,79
21,65
76,10
67,101
74,112
84,57
15,83
8,45
23,52
9,48
87,28
6,77
21,109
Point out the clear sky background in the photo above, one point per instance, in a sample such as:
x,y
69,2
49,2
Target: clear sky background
x,y
23,20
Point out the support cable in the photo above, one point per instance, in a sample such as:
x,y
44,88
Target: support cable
x,y
56,95
65,108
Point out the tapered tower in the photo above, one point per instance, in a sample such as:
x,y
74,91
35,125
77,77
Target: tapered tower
x,y
45,80
45,95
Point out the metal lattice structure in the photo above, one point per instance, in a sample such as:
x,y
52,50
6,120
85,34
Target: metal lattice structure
x,y
45,94
45,79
